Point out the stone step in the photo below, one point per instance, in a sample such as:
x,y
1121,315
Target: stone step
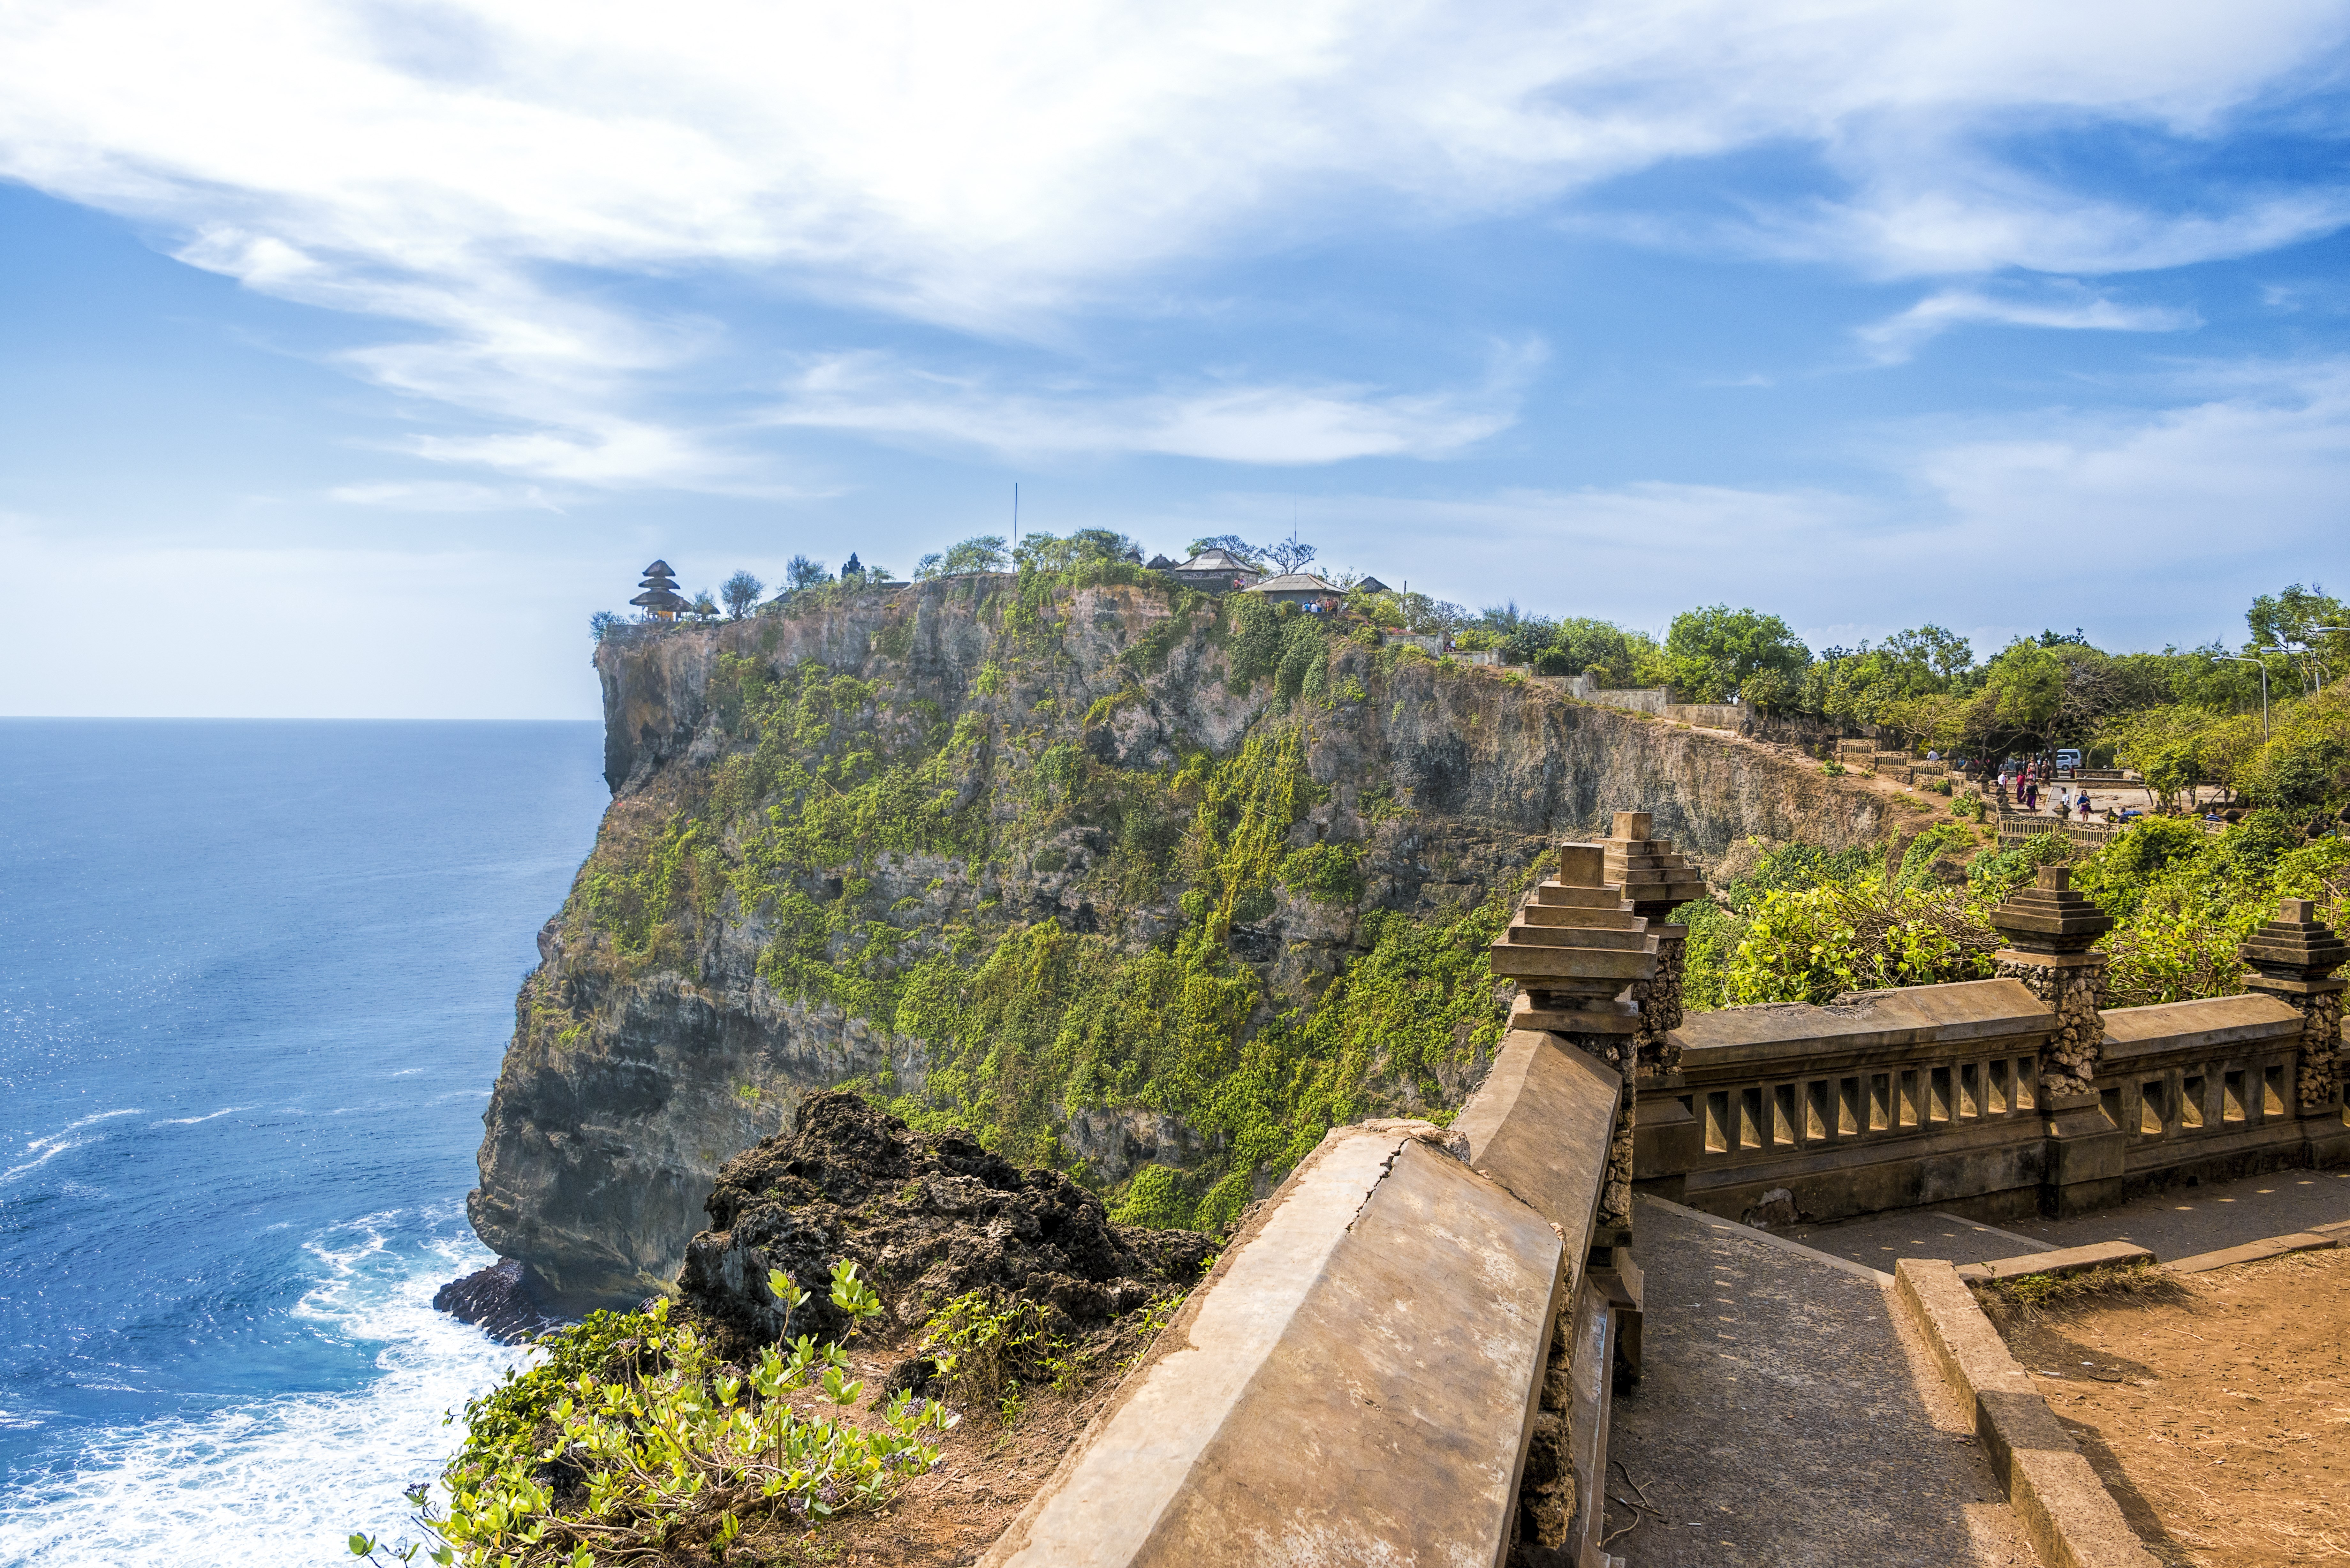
x,y
1594,937
1531,964
2063,1261
1571,915
1558,893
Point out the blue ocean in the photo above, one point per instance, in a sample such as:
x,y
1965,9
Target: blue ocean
x,y
254,981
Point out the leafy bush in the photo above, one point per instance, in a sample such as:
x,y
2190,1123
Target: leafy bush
x,y
1157,1198
983,1350
632,1440
1326,871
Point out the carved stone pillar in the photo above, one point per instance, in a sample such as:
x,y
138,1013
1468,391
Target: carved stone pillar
x,y
2294,958
2049,930
1657,881
1574,947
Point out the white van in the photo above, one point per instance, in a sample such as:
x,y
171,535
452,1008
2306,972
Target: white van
x,y
2068,761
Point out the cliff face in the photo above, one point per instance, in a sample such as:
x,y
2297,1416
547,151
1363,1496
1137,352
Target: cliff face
x,y
1135,883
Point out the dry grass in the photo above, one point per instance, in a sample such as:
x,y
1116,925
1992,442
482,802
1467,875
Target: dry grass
x,y
2216,1407
2032,1296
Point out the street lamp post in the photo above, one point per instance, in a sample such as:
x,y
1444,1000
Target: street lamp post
x,y
2320,664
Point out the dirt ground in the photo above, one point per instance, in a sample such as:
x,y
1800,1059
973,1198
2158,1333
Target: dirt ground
x,y
2216,1407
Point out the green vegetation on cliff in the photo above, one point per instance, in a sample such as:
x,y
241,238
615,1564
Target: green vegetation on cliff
x,y
1801,925
1127,999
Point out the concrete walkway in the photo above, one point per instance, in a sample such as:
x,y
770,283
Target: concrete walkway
x,y
2176,1224
1788,1417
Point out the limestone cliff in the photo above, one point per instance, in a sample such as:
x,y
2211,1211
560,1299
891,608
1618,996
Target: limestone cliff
x,y
1139,884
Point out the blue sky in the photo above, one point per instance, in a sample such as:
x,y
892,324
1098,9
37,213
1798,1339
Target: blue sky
x,y
351,354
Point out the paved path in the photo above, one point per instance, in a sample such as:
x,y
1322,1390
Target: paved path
x,y
1787,1417
2176,1224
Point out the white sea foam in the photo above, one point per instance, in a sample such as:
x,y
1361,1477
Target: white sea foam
x,y
279,1483
62,1141
192,1121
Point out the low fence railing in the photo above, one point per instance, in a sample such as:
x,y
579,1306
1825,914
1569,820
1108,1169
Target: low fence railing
x,y
1932,1095
1880,1101
2192,1082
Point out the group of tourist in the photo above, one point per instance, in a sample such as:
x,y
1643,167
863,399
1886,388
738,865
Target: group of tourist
x,y
2020,786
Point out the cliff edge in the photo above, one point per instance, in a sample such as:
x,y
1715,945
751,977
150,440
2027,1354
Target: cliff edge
x,y
1133,883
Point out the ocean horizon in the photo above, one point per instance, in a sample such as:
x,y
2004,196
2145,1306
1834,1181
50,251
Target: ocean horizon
x,y
256,979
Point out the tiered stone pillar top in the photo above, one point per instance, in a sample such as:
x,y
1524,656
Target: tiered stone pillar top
x,y
1574,945
2295,951
2048,918
1653,878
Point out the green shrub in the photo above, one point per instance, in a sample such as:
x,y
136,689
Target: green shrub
x,y
666,1447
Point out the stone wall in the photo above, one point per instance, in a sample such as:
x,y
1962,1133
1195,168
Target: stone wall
x,y
1403,1356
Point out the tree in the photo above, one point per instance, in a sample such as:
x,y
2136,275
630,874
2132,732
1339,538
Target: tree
x,y
2291,621
1930,650
1711,650
1867,686
1087,546
704,606
981,553
1231,542
740,591
2164,745
1289,554
802,573
600,624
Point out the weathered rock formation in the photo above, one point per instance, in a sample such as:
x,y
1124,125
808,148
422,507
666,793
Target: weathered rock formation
x,y
925,1217
672,1023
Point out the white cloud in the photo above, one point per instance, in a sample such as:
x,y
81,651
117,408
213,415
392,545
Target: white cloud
x,y
2144,527
478,171
1242,422
2063,305
443,496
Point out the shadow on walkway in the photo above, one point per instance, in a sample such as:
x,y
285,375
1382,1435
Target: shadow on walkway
x,y
1785,1418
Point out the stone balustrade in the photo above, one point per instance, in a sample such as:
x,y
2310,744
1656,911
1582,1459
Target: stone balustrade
x,y
2014,1096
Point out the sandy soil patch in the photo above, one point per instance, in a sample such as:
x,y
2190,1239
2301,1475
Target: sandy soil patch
x,y
2216,1407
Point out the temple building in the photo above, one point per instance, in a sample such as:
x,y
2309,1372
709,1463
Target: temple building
x,y
1216,571
1299,588
660,600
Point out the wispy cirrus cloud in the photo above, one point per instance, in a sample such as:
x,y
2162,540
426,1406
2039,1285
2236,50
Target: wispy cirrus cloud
x,y
2060,305
483,175
1241,421
443,496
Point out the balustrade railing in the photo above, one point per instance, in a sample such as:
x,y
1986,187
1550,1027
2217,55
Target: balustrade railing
x,y
1933,1094
2188,1080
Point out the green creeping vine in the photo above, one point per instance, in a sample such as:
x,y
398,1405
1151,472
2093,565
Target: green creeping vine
x,y
631,1440
1023,1022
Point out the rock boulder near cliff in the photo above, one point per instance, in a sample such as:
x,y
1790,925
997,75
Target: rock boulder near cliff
x,y
925,1217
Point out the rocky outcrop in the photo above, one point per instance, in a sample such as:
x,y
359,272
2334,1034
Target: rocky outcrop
x,y
628,1084
926,1218
498,1300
